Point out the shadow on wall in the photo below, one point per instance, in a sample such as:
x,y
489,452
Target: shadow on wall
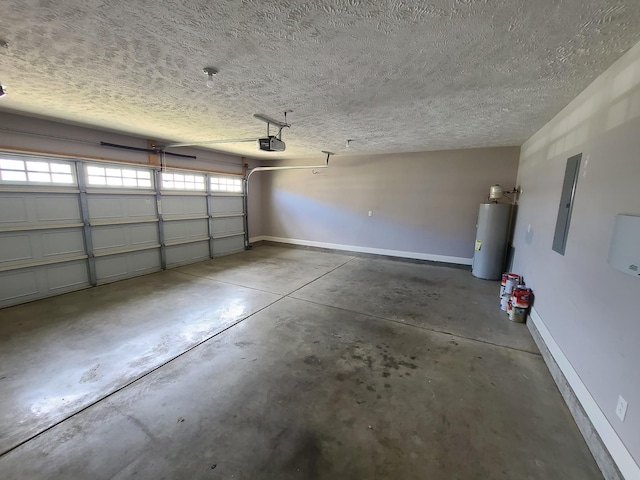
x,y
580,126
318,221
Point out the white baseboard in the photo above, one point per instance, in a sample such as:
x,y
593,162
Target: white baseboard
x,y
376,251
621,456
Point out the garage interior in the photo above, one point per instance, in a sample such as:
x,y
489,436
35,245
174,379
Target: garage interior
x,y
177,303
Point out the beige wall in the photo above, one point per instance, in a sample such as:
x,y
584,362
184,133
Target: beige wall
x,y
60,138
590,310
424,205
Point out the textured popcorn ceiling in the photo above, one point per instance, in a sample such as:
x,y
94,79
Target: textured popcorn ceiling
x,y
392,75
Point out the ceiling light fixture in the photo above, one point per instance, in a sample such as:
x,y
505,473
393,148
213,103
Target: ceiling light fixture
x,y
210,72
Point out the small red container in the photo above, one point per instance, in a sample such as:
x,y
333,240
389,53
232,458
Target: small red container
x,y
521,297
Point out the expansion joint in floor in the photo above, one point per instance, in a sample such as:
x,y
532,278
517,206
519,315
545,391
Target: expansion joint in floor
x,y
419,327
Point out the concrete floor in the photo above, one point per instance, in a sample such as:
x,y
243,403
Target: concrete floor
x,y
281,363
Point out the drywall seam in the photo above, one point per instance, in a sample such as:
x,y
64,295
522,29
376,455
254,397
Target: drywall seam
x,y
376,251
625,462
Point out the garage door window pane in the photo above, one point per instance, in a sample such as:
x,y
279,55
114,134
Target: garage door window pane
x,y
11,164
60,168
226,184
181,181
118,177
38,166
36,171
11,176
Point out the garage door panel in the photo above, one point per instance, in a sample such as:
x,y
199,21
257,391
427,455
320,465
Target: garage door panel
x,y
13,211
67,276
38,282
118,237
15,248
185,229
145,234
105,238
228,225
104,208
121,207
187,253
225,205
62,242
145,262
184,205
57,208
35,210
16,286
138,207
228,245
111,268
40,245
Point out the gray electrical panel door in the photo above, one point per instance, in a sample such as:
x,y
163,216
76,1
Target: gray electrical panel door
x,y
566,204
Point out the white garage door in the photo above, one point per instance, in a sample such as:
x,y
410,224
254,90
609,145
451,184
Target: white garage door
x,y
121,204
42,250
71,224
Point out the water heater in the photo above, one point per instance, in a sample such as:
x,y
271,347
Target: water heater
x,y
491,240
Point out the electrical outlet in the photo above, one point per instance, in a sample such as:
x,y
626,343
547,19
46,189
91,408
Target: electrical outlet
x,y
621,409
371,213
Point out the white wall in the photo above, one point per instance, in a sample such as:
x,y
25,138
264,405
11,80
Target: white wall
x,y
425,205
590,310
59,138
